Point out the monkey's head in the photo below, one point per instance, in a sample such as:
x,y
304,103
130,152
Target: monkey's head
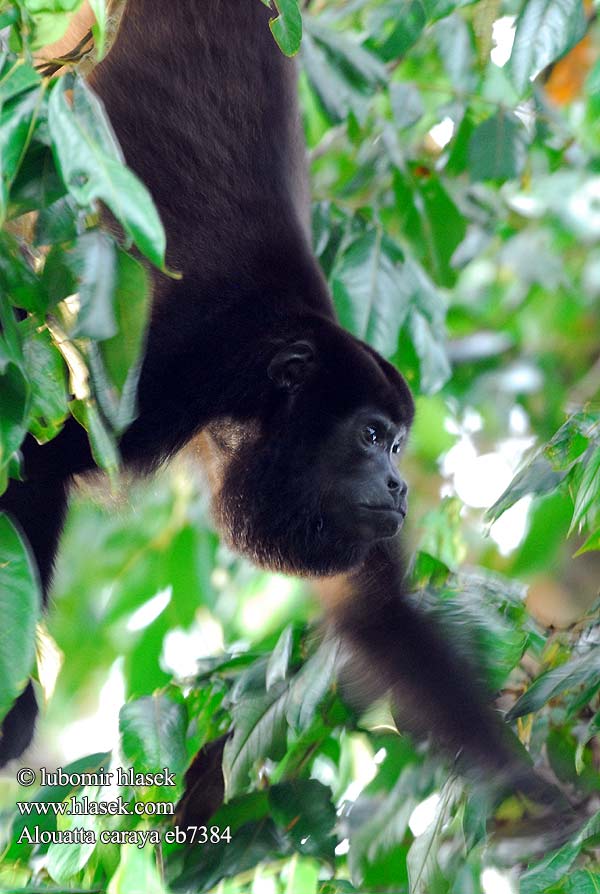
x,y
313,484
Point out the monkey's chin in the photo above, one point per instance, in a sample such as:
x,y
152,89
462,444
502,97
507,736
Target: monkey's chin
x,y
379,522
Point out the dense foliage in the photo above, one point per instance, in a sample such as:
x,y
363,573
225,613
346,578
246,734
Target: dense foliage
x,y
455,155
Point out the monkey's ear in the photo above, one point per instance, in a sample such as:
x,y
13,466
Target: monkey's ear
x,y
292,365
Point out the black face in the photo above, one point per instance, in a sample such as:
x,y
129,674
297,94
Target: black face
x,y
316,484
366,500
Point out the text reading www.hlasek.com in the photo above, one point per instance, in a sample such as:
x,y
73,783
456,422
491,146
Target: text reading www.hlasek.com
x,y
85,805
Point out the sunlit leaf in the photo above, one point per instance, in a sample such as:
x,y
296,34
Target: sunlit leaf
x,y
91,171
583,670
546,29
369,292
287,26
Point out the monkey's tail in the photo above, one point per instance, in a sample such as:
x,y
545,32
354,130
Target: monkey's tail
x,y
399,647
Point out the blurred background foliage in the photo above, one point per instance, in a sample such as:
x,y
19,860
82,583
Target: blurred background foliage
x,y
455,168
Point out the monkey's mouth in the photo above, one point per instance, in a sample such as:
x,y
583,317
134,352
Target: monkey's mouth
x,y
392,510
383,521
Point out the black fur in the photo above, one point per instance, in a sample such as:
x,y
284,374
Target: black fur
x,y
245,349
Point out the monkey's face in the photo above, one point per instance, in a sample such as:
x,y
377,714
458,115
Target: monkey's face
x,y
316,485
364,496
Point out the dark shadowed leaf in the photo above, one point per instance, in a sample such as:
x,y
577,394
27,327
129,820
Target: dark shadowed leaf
x,y
47,376
17,120
304,809
20,603
498,148
37,184
153,732
259,732
17,279
407,105
14,403
206,865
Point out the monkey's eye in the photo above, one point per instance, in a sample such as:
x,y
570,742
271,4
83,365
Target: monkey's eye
x,y
369,435
397,447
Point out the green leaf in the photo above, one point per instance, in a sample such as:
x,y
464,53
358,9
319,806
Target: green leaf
x,y
456,47
153,732
17,77
583,881
407,105
17,119
91,169
550,870
431,221
14,404
385,824
536,477
259,726
583,670
137,871
37,184
588,492
338,95
104,448
66,860
433,361
498,148
122,354
277,668
57,223
20,605
370,293
17,279
47,376
591,730
422,861
571,440
93,260
204,866
304,809
287,26
51,794
359,67
545,30
593,542
99,29
311,685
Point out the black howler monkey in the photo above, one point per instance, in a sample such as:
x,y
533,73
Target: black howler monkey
x,y
298,420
